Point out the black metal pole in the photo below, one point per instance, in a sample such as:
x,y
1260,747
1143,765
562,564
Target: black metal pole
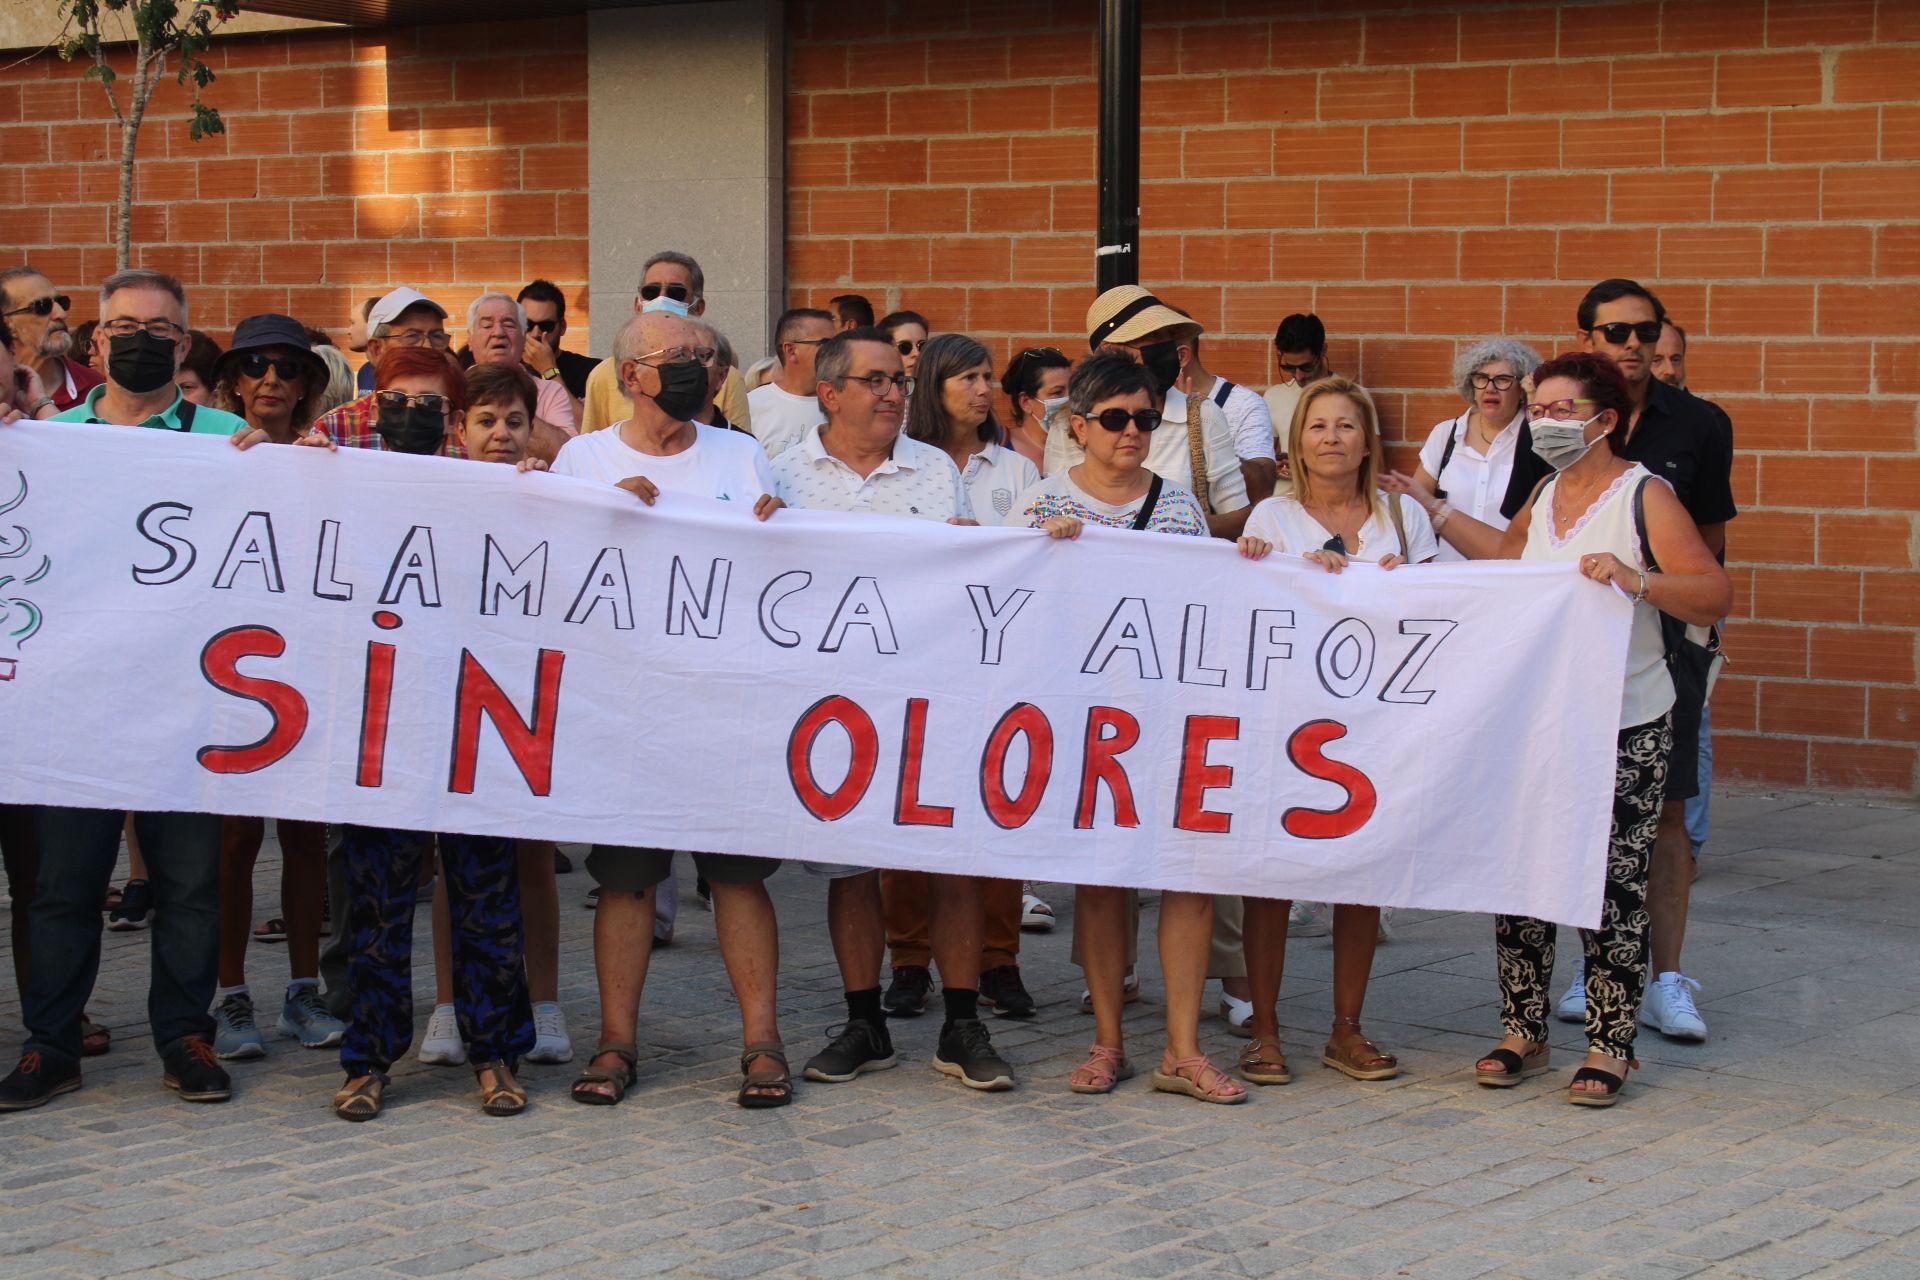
x,y
1117,257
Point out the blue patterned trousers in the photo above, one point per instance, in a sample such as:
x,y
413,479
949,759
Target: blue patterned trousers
x,y
489,970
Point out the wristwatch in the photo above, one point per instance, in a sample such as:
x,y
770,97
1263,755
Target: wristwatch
x,y
551,373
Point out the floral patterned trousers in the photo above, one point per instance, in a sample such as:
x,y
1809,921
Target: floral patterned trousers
x,y
1616,952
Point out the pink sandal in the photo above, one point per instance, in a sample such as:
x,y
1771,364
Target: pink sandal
x,y
1197,1077
1103,1069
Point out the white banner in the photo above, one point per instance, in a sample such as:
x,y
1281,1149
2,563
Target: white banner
x,y
448,645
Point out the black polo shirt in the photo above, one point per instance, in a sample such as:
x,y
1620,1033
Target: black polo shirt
x,y
574,369
1687,442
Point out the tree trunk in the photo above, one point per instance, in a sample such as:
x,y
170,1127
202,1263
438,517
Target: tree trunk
x,y
145,77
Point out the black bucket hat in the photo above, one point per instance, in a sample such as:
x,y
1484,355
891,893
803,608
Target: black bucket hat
x,y
275,330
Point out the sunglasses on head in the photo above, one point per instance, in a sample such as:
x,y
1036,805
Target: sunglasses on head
x,y
1616,333
401,400
678,292
1116,420
255,365
907,346
44,306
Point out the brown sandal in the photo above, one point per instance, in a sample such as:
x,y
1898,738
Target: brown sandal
x,y
94,1038
620,1078
1263,1063
504,1097
1197,1077
1358,1056
360,1102
780,1078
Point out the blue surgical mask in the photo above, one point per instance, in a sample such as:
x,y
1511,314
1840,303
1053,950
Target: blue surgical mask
x,y
666,304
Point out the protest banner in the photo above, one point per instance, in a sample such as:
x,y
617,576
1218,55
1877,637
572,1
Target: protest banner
x,y
447,645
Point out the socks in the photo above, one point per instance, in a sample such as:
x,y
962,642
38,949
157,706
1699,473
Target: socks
x,y
864,1006
221,993
962,1003
295,985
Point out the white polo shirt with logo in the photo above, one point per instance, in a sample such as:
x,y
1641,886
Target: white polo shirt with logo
x,y
918,480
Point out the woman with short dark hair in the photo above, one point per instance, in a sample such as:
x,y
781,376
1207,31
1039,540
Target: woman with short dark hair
x,y
1036,384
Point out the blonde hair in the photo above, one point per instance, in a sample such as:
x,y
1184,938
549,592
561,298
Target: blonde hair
x,y
1372,466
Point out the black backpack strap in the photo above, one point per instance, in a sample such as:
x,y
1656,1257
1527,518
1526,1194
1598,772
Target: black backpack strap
x,y
186,414
1222,389
1640,523
1446,455
1147,504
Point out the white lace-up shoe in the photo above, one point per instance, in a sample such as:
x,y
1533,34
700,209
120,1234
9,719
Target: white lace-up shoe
x,y
1668,1008
1573,1005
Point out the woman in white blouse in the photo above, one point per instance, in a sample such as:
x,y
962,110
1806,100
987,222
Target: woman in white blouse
x,y
1472,460
1335,513
952,409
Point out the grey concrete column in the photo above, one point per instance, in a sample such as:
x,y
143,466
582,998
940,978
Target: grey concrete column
x,y
686,147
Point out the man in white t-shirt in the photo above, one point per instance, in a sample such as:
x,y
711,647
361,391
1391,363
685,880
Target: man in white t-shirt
x,y
786,408
658,448
858,460
1301,344
1246,416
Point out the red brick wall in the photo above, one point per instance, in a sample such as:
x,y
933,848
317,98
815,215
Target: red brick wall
x,y
1423,178
453,159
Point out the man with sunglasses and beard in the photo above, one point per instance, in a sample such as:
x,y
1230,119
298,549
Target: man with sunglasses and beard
x,y
672,282
546,310
1688,442
786,409
41,340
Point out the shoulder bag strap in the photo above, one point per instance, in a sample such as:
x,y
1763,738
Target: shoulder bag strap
x,y
1640,523
1148,503
1399,522
186,414
1221,390
1446,455
1197,452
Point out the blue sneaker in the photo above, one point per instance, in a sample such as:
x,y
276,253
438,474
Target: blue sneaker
x,y
236,1035
304,1016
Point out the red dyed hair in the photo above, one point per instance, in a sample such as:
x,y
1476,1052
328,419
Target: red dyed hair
x,y
422,362
1600,381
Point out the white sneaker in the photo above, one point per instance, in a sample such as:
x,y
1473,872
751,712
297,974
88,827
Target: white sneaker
x,y
1237,1014
551,1043
1129,992
1573,1005
1668,1008
1386,924
441,1046
1309,920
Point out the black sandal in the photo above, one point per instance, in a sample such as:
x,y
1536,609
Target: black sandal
x,y
620,1078
765,1078
1513,1067
504,1097
1585,1098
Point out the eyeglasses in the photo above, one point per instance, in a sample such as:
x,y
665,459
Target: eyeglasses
x,y
677,292
880,383
1297,369
1498,381
1555,409
806,342
907,346
401,400
1116,420
437,339
44,306
677,355
255,365
158,328
1616,333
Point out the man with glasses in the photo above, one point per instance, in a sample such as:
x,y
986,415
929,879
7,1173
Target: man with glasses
x,y
857,459
546,310
1688,442
672,282
41,340
497,334
143,333
658,447
786,408
403,318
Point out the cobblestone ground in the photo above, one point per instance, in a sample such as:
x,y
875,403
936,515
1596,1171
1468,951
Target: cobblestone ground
x,y
1787,1145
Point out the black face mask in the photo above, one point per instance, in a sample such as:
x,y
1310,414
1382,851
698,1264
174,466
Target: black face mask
x,y
1162,360
683,389
139,362
411,429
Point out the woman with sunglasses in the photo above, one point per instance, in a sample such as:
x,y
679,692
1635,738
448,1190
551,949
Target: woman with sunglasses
x,y
271,377
1036,383
1113,418
1597,511
1483,460
1334,514
907,330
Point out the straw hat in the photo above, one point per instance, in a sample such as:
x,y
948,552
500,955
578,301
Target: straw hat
x,y
1127,312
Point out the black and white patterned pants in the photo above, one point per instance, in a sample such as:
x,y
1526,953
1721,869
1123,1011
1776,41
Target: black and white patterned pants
x,y
1616,952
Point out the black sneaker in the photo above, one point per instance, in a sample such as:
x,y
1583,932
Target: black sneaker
x,y
135,910
1002,991
966,1053
856,1047
562,864
194,1071
908,993
36,1080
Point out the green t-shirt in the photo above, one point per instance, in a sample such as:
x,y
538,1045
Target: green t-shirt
x,y
178,416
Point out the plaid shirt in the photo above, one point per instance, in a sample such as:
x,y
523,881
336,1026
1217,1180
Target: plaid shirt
x,y
351,426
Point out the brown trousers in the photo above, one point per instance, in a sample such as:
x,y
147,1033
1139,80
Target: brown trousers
x,y
905,895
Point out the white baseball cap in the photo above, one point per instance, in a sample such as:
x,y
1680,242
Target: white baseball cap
x,y
389,308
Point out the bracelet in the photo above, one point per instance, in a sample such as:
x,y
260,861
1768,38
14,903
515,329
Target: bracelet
x,y
33,410
1641,595
1439,514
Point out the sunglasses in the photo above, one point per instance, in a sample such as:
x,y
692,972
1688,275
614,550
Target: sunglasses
x,y
542,326
1297,369
907,346
255,365
1116,420
678,292
1335,544
401,400
1616,333
44,306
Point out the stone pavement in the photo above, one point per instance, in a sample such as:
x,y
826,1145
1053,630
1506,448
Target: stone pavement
x,y
1788,1145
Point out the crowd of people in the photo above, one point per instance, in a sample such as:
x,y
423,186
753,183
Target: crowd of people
x,y
1550,459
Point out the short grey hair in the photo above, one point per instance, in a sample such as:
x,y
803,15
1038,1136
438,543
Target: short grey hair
x,y
473,310
24,271
143,278
674,256
723,350
627,344
833,360
1522,357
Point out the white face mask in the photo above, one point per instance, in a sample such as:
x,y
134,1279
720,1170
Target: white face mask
x,y
666,304
1561,443
1050,407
